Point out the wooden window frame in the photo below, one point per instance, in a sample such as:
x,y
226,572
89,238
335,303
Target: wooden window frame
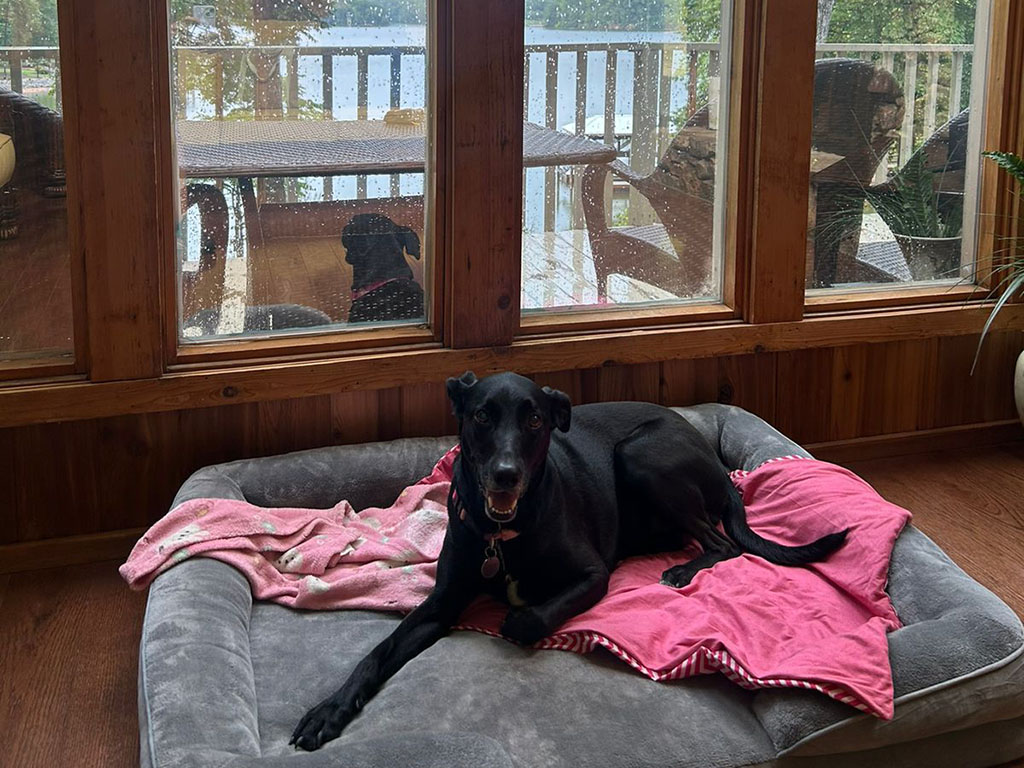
x,y
75,366
1001,130
126,355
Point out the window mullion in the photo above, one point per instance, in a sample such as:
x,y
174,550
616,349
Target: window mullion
x,y
781,160
112,103
484,166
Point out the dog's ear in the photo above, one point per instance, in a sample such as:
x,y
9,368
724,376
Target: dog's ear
x,y
561,408
458,388
409,240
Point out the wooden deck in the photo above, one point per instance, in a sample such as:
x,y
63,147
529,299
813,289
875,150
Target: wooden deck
x,y
35,280
558,272
35,283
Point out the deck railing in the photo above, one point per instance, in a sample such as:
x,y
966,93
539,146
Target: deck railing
x,y
631,95
42,65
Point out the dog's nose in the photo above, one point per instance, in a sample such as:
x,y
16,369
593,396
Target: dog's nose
x,y
506,475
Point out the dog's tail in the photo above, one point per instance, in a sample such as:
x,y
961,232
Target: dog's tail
x,y
735,523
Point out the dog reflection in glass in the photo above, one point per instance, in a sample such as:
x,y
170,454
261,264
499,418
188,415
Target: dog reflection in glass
x,y
383,286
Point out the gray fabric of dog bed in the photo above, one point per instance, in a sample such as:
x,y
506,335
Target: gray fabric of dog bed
x,y
223,680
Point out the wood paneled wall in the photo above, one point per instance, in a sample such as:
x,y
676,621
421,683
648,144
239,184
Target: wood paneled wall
x,y
109,474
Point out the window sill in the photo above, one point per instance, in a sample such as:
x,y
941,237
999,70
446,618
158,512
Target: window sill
x,y
886,298
376,369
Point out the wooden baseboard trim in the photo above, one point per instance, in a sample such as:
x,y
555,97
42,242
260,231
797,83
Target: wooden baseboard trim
x,y
68,550
922,441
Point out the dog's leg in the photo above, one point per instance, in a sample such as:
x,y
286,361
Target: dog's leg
x,y
528,625
680,575
456,586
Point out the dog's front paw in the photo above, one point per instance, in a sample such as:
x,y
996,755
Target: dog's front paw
x,y
678,576
324,722
524,625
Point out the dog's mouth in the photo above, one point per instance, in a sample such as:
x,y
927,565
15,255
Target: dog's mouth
x,y
500,506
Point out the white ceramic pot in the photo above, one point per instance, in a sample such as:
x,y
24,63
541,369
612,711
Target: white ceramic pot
x,y
1018,386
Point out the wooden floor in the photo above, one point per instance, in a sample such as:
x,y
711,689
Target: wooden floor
x,y
35,282
558,272
69,637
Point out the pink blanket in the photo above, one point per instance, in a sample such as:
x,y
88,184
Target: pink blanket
x,y
821,626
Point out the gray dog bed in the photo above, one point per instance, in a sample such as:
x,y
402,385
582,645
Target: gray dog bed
x,y
224,680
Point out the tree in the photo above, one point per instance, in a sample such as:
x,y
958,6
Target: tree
x,y
824,18
28,22
901,21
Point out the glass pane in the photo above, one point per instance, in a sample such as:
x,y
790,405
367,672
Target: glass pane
x,y
898,90
301,144
623,155
35,267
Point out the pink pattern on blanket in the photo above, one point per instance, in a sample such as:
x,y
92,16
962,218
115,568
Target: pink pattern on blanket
x,y
822,626
377,559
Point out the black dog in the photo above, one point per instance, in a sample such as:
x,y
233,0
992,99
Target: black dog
x,y
383,288
539,515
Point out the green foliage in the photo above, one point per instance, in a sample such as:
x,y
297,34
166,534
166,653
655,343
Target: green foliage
x,y
28,22
379,13
911,206
1011,274
699,20
1010,163
902,21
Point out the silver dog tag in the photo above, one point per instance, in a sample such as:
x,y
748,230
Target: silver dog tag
x,y
490,567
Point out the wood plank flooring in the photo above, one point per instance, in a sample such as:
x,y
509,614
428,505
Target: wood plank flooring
x,y
971,504
69,637
35,282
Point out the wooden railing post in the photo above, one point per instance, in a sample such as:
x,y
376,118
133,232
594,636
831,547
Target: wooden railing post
x,y
665,98
610,77
931,95
293,84
580,126
551,121
956,84
218,86
909,90
327,87
16,78
395,102
643,152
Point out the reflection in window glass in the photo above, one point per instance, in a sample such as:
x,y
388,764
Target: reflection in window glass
x,y
623,155
35,270
300,132
897,109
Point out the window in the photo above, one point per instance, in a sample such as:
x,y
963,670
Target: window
x,y
624,153
301,136
36,315
561,185
898,113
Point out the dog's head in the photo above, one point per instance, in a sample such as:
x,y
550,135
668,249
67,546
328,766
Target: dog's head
x,y
374,246
505,424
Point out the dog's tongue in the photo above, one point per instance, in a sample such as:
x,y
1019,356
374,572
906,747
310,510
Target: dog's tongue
x,y
502,501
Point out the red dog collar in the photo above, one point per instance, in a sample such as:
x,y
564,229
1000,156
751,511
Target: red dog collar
x,y
359,293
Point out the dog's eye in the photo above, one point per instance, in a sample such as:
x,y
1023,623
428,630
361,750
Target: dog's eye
x,y
481,417
535,421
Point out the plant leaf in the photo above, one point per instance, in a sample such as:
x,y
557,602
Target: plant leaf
x,y
1010,163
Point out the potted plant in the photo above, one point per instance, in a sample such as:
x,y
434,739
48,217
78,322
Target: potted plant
x,y
1010,275
926,221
